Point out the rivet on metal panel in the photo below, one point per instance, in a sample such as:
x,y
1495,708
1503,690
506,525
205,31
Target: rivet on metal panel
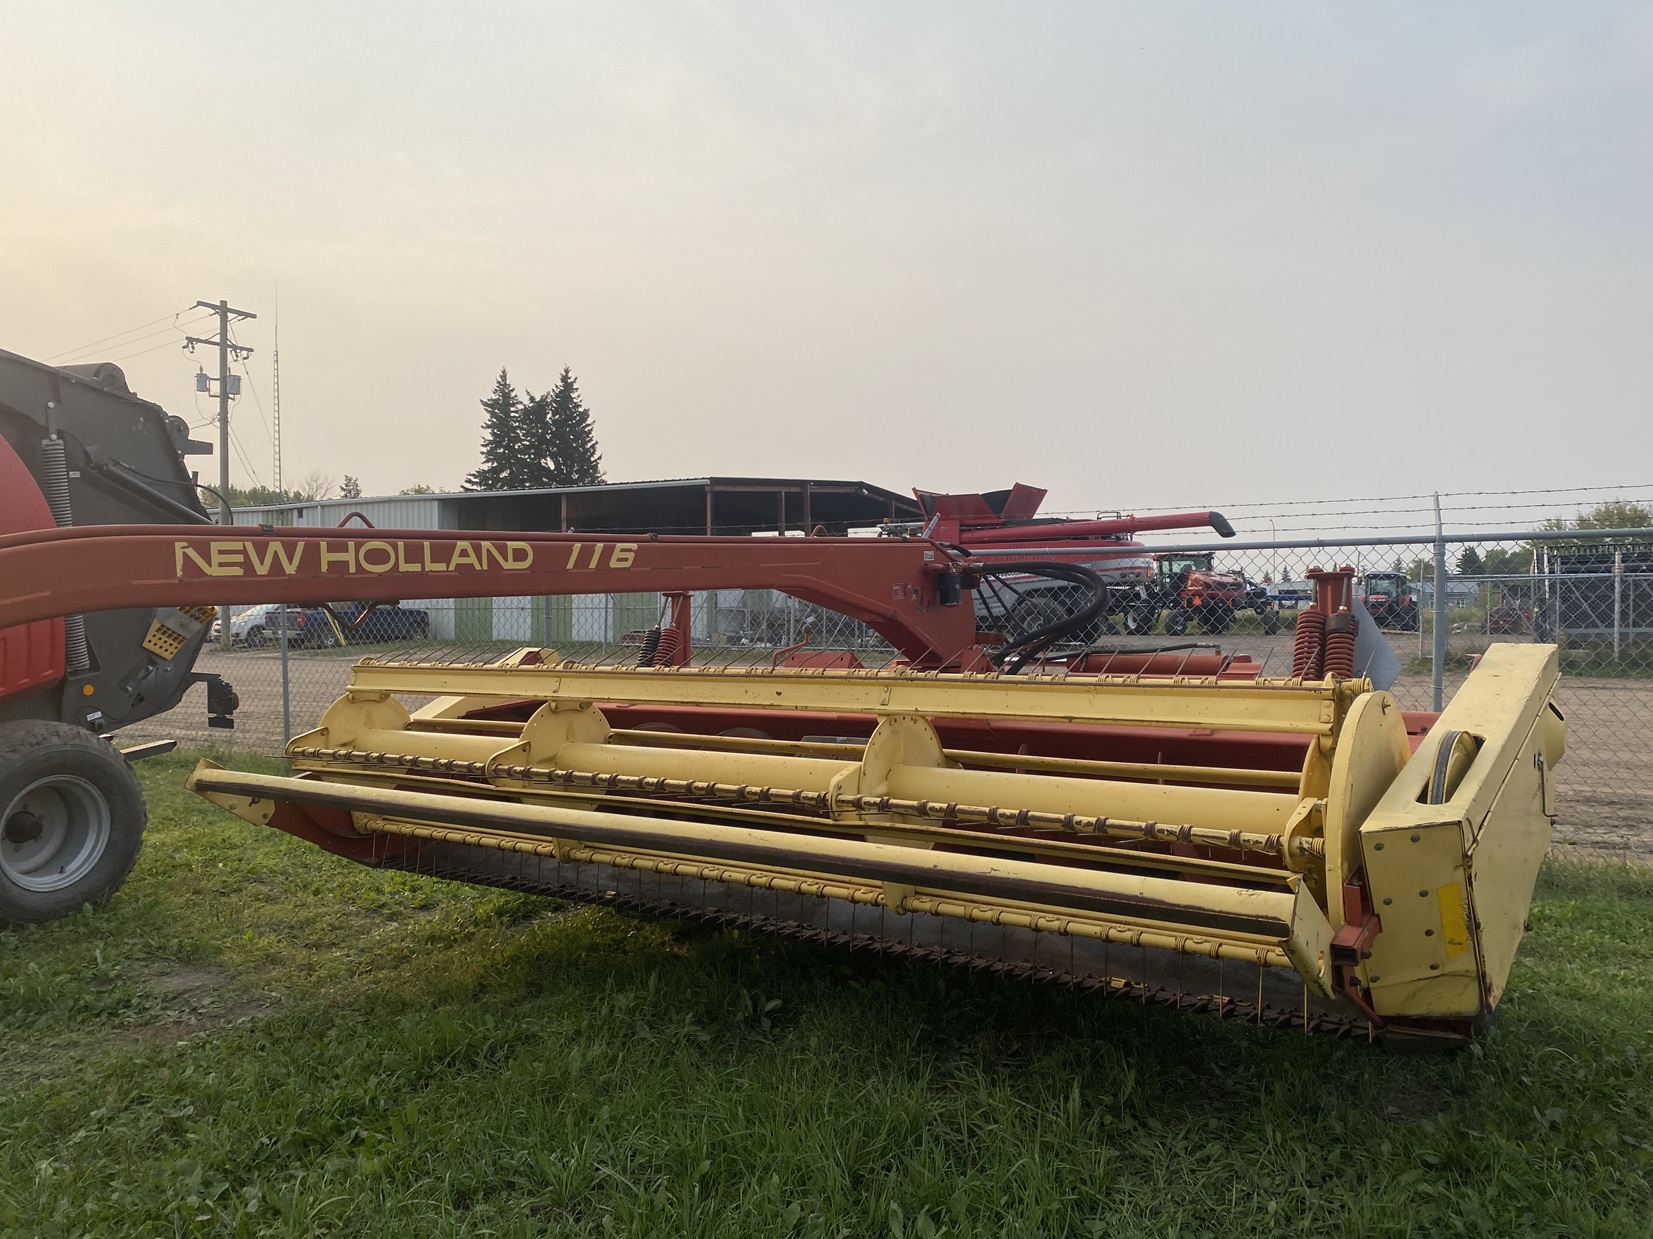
x,y
1387,901
1429,933
1415,838
1434,967
1378,846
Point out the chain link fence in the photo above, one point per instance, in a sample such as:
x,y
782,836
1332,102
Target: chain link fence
x,y
1438,603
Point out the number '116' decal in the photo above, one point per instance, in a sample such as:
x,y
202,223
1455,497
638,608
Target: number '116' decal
x,y
622,554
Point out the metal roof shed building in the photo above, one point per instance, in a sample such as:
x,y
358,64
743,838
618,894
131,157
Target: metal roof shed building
x,y
722,506
676,506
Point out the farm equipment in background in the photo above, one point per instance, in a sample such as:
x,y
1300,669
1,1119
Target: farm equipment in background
x,y
78,448
1005,524
1390,602
1516,612
1593,591
1189,588
1298,852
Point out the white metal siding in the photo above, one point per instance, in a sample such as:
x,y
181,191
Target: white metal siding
x,y
441,615
390,512
514,619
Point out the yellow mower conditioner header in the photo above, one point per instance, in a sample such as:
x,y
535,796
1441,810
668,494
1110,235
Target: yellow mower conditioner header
x,y
1281,851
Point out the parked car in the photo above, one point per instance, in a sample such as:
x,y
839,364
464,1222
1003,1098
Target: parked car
x,y
251,626
307,627
356,623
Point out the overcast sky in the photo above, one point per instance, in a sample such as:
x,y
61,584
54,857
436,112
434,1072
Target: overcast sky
x,y
1140,255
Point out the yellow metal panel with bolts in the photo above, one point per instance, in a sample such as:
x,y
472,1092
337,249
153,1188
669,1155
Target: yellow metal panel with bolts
x,y
1411,971
1477,824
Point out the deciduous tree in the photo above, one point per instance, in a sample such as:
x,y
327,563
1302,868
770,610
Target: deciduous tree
x,y
316,485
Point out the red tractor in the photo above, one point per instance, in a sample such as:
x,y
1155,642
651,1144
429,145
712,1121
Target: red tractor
x,y
1389,601
1188,587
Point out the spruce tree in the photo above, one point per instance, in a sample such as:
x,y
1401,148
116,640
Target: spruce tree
x,y
501,428
573,457
535,465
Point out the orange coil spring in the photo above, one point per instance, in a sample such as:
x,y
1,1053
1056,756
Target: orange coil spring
x,y
1340,646
1309,646
666,654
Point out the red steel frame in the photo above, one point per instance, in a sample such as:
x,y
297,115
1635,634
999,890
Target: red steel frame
x,y
894,585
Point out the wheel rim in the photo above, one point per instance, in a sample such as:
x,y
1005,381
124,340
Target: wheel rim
x,y
55,830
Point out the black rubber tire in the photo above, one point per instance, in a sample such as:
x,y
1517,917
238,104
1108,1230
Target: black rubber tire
x,y
1176,622
1093,632
1216,619
255,637
1271,620
1032,613
32,750
1140,620
421,627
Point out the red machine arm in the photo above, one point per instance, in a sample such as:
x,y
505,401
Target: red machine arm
x,y
1107,527
892,585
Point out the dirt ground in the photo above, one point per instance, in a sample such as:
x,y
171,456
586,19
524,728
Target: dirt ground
x,y
1605,785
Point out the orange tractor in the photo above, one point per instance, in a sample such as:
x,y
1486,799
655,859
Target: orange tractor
x,y
1189,588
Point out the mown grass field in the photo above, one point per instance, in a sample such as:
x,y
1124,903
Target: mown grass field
x,y
255,1038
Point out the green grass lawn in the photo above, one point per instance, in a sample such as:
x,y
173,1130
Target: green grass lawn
x,y
257,1038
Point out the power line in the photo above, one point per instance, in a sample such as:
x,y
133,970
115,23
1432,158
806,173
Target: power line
x,y
154,348
90,353
173,317
246,461
259,404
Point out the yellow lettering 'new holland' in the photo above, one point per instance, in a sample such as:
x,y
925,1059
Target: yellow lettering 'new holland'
x,y
285,558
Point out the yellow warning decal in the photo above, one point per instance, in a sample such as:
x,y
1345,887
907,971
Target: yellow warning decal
x,y
1454,923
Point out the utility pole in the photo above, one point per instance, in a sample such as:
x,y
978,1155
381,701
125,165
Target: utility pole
x,y
225,348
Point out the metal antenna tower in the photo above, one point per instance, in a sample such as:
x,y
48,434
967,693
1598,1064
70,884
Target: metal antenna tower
x,y
275,394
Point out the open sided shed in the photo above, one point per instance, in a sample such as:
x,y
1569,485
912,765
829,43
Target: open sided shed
x,y
679,506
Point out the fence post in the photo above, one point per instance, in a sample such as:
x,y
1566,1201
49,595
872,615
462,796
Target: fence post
x,y
286,684
1618,600
1419,601
1439,608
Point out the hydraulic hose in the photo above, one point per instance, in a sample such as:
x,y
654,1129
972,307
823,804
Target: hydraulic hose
x,y
1014,655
